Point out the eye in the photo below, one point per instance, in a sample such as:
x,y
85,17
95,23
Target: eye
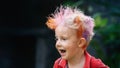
x,y
64,39
56,39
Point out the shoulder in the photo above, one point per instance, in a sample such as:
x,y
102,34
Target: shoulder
x,y
97,63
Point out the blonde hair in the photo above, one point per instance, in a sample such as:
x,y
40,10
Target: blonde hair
x,y
73,18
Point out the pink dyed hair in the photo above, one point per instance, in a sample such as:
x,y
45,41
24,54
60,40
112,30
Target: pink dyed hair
x,y
67,15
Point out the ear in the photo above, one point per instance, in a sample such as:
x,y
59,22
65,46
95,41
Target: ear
x,y
82,43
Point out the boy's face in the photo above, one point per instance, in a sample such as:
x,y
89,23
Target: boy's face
x,y
67,42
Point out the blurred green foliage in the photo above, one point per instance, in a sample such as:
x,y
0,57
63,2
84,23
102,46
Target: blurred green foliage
x,y
106,41
107,24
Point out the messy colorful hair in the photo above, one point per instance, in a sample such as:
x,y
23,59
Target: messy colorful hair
x,y
73,18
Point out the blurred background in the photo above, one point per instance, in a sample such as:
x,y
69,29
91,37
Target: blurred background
x,y
26,42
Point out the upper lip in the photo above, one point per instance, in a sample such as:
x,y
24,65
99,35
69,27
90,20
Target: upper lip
x,y
61,50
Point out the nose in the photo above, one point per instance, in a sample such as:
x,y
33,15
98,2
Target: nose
x,y
58,43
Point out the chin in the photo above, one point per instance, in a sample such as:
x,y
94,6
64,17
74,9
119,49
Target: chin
x,y
65,58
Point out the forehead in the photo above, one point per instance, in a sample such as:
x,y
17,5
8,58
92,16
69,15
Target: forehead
x,y
64,30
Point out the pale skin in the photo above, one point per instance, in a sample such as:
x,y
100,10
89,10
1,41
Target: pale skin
x,y
70,46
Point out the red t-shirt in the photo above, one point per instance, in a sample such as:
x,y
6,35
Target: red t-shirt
x,y
90,62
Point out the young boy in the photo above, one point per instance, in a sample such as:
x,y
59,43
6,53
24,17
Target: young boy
x,y
73,32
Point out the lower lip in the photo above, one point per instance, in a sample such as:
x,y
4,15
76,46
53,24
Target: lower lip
x,y
62,54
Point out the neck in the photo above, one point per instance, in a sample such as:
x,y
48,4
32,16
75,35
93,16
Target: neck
x,y
77,62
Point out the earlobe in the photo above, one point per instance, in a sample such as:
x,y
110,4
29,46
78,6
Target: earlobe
x,y
82,43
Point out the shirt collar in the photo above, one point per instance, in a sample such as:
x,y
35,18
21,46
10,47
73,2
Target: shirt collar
x,y
63,63
87,60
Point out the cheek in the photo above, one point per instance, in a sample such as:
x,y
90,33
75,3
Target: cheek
x,y
55,45
72,45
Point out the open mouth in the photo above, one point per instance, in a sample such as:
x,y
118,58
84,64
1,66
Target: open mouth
x,y
62,50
